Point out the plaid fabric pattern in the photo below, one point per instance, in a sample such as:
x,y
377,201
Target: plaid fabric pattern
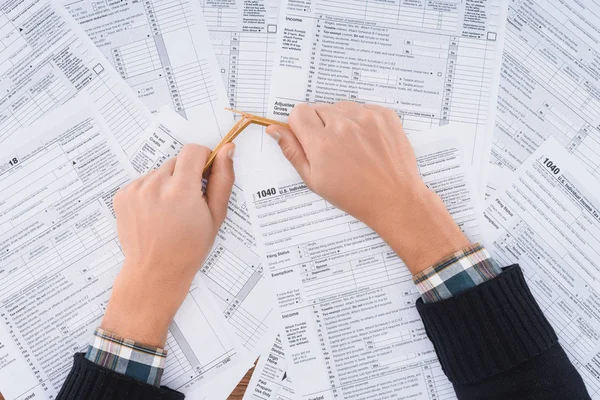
x,y
461,271
136,360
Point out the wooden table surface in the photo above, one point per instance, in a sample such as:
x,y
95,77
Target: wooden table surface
x,y
240,389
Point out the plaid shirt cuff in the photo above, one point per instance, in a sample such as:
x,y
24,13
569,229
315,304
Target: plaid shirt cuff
x,y
457,273
136,360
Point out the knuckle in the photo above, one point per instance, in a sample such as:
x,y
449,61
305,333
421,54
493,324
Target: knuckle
x,y
134,186
345,125
366,118
349,108
174,192
301,107
193,149
149,187
345,105
388,112
378,118
119,198
373,118
390,115
298,111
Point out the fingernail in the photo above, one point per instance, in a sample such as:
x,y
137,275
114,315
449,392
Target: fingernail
x,y
231,153
275,135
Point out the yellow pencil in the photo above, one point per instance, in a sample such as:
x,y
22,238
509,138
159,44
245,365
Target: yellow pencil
x,y
239,126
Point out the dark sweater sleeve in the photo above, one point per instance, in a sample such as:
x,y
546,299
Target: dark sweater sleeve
x,y
92,382
494,342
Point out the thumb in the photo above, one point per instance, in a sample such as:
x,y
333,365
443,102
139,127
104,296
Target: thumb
x,y
220,183
291,148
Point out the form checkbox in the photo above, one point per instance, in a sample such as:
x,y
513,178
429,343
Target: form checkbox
x,y
271,28
98,69
491,36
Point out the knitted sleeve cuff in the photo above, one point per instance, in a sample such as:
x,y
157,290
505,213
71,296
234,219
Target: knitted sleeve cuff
x,y
87,380
488,329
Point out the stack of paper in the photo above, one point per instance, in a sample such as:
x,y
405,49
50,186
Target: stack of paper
x,y
500,101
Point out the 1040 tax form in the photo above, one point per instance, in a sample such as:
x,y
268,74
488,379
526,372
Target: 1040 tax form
x,y
346,300
433,62
46,60
161,48
547,219
59,255
270,379
549,85
243,35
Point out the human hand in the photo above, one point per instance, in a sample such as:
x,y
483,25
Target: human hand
x,y
359,159
166,226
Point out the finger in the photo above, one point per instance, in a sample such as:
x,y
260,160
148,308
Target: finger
x,y
120,200
168,166
348,107
220,183
374,107
135,184
291,148
154,179
190,162
147,178
388,112
358,112
305,122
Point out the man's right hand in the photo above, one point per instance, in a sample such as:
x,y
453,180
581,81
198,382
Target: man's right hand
x,y
359,159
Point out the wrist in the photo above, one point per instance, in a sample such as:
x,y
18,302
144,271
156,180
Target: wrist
x,y
139,311
419,228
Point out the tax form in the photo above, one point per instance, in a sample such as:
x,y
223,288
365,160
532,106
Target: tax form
x,y
547,219
59,255
270,380
433,62
233,270
45,60
161,48
549,84
346,300
243,34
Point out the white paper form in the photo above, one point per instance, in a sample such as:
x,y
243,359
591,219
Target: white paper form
x,y
548,220
270,380
243,34
433,62
45,60
345,298
60,255
233,270
161,48
549,84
